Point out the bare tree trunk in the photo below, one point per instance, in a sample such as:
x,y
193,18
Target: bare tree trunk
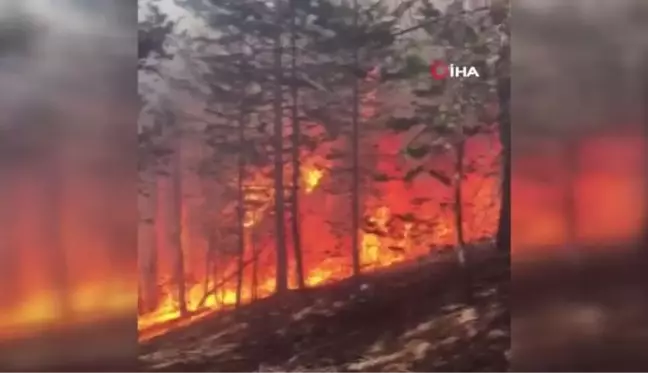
x,y
355,138
149,293
458,198
644,114
176,234
207,271
504,225
296,166
280,229
153,259
460,249
226,279
240,205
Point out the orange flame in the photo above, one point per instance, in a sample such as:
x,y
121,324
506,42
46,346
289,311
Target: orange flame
x,y
311,178
387,244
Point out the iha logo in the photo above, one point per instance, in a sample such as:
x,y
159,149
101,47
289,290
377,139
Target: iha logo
x,y
441,70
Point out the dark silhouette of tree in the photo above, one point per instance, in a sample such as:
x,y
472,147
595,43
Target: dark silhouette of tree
x,y
155,153
277,108
500,17
296,148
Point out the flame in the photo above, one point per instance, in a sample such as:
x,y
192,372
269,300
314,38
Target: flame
x,y
538,221
311,178
87,302
389,242
261,193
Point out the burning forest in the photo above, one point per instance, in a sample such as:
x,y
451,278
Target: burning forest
x,y
310,198
308,147
290,150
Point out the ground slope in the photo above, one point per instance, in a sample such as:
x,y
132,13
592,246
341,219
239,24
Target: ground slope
x,y
412,318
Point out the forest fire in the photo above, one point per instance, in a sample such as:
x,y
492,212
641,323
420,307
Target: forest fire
x,y
354,207
387,239
390,240
538,221
312,178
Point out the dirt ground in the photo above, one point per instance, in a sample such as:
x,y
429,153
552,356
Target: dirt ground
x,y
417,317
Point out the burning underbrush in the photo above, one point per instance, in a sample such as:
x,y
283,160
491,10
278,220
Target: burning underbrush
x,y
402,221
412,317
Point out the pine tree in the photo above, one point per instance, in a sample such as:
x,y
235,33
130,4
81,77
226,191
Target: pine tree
x,y
361,37
277,103
310,76
296,149
177,212
153,32
355,148
503,238
465,38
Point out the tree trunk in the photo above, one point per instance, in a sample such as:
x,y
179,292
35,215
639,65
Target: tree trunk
x,y
644,239
176,234
208,266
503,238
355,137
149,293
280,229
153,259
462,259
296,166
240,206
458,198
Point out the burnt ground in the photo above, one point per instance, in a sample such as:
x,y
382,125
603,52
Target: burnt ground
x,y
416,317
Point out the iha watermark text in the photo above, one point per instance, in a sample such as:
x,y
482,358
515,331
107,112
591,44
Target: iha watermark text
x,y
440,70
